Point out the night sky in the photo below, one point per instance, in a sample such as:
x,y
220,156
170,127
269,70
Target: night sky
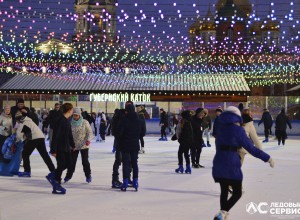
x,y
167,22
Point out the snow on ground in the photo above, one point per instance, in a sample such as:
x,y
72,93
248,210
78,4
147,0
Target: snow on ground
x,y
162,195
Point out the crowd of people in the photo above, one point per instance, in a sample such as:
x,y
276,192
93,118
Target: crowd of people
x,y
72,130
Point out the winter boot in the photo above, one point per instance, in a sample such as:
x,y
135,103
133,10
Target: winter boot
x,y
221,215
24,174
179,169
208,144
188,169
116,184
124,185
89,179
135,184
58,189
266,140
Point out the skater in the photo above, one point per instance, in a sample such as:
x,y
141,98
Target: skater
x,y
34,116
185,138
102,129
20,106
163,124
141,113
5,127
132,128
93,123
34,138
226,163
52,118
207,128
82,135
198,138
44,122
61,146
250,131
268,122
280,127
116,123
216,122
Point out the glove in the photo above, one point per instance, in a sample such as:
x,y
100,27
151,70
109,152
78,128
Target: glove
x,y
87,143
271,162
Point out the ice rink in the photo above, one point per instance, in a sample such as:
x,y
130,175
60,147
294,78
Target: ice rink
x,y
162,195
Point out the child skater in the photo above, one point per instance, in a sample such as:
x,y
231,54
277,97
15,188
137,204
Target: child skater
x,y
227,164
184,135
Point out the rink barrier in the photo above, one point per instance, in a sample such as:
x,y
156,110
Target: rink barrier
x,y
154,128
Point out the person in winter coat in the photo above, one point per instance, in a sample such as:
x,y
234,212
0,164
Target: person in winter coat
x,y
250,131
52,118
102,129
5,127
93,123
82,135
268,122
115,129
20,106
226,163
280,127
101,116
216,122
44,122
141,113
185,138
163,125
207,128
131,129
61,147
34,138
198,138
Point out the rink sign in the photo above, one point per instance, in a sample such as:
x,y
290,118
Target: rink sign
x,y
120,97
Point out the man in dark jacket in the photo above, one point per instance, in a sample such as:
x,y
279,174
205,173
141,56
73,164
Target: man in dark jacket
x,y
163,124
20,106
197,125
61,146
131,129
268,122
142,113
280,127
52,118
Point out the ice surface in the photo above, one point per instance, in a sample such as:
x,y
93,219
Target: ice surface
x,y
162,195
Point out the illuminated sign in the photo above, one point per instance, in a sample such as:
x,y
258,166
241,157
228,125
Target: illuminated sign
x,y
120,97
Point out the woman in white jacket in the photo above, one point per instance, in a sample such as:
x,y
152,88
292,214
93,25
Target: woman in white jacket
x,y
34,138
82,134
250,131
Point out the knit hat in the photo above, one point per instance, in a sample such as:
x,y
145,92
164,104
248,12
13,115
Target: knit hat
x,y
129,108
19,116
219,109
234,110
204,110
20,100
76,111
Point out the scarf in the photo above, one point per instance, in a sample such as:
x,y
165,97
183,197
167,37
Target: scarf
x,y
77,123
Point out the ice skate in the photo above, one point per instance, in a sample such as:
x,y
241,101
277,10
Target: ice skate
x,y
161,139
195,166
142,151
179,169
266,140
24,174
116,184
88,179
135,184
66,179
200,166
165,139
124,185
58,189
50,177
188,169
221,215
208,144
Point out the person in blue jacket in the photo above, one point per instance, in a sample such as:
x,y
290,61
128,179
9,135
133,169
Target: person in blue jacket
x,y
227,163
